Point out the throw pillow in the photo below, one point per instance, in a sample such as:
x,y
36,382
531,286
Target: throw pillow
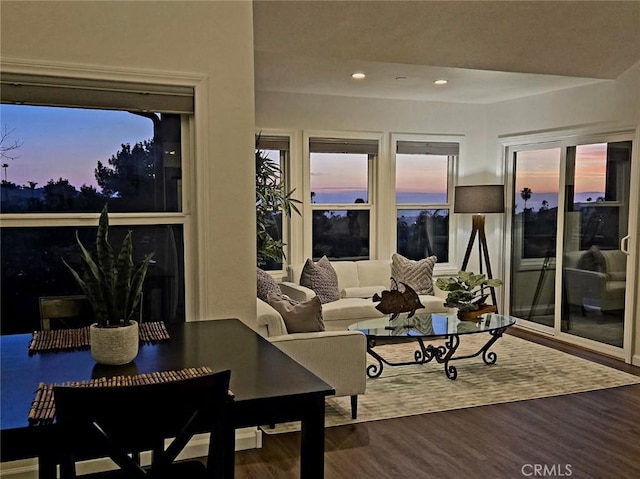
x,y
266,284
592,260
298,317
417,274
321,278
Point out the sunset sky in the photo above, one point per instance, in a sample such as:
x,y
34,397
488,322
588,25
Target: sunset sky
x,y
539,170
68,143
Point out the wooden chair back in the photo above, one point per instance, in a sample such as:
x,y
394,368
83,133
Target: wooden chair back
x,y
122,421
65,311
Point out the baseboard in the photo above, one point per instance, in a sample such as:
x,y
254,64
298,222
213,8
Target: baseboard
x,y
635,360
247,438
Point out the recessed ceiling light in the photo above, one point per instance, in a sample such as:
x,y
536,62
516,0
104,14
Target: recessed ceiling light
x,y
440,82
358,75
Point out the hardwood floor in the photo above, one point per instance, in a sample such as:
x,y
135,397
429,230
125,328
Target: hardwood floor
x,y
583,436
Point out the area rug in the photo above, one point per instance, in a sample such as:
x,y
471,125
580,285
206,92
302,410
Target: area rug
x,y
523,370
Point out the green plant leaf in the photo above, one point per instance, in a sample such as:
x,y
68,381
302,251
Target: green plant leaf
x,y
464,288
271,197
135,292
448,284
104,253
124,269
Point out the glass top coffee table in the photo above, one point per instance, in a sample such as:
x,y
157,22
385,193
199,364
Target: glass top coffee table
x,y
428,326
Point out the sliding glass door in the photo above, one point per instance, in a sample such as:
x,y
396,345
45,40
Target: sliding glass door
x,y
594,260
534,233
569,238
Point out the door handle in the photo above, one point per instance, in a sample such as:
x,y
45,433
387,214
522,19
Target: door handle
x,y
624,245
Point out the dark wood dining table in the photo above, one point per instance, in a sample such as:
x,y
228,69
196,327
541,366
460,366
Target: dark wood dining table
x,y
268,386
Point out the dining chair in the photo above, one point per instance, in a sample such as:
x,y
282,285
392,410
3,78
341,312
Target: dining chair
x,y
65,311
122,421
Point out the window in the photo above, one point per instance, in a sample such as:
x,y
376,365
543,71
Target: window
x,y
423,199
276,148
69,146
341,172
535,209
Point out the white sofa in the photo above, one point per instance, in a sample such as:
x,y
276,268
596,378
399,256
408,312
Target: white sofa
x,y
358,281
337,357
595,281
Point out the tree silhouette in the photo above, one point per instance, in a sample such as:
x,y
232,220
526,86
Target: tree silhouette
x,y
129,173
59,195
525,194
89,199
6,145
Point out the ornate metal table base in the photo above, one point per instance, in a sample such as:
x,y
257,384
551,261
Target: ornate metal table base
x,y
443,354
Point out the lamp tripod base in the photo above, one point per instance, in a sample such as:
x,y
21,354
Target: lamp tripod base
x,y
478,230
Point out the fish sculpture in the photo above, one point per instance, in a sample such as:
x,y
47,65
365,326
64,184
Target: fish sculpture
x,y
394,301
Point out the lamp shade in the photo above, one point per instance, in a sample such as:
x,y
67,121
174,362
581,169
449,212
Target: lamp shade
x,y
479,199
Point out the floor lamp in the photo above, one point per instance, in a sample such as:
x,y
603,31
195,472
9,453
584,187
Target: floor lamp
x,y
478,200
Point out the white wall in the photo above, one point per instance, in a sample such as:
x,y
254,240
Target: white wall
x,y
607,102
205,38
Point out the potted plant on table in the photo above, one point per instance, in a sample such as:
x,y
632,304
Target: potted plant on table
x,y
113,287
467,293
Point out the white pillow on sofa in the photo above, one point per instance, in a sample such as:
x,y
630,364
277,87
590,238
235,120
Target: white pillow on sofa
x,y
417,274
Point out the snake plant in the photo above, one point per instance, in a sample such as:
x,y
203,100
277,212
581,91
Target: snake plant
x,y
111,283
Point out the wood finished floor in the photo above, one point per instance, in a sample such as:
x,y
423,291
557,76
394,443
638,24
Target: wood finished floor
x,y
580,436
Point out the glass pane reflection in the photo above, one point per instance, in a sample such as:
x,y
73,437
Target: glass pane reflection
x,y
32,267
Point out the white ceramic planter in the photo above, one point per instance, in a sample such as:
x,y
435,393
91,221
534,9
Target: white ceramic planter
x,y
114,346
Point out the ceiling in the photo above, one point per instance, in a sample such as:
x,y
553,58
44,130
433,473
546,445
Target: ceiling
x,y
489,51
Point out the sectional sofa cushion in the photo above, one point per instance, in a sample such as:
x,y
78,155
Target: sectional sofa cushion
x,y
304,317
417,274
351,309
321,278
373,272
361,291
266,284
357,309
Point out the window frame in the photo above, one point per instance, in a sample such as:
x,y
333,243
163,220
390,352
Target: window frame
x,y
286,170
191,158
527,264
372,205
449,267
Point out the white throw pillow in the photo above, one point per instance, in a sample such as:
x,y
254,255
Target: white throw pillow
x,y
417,274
